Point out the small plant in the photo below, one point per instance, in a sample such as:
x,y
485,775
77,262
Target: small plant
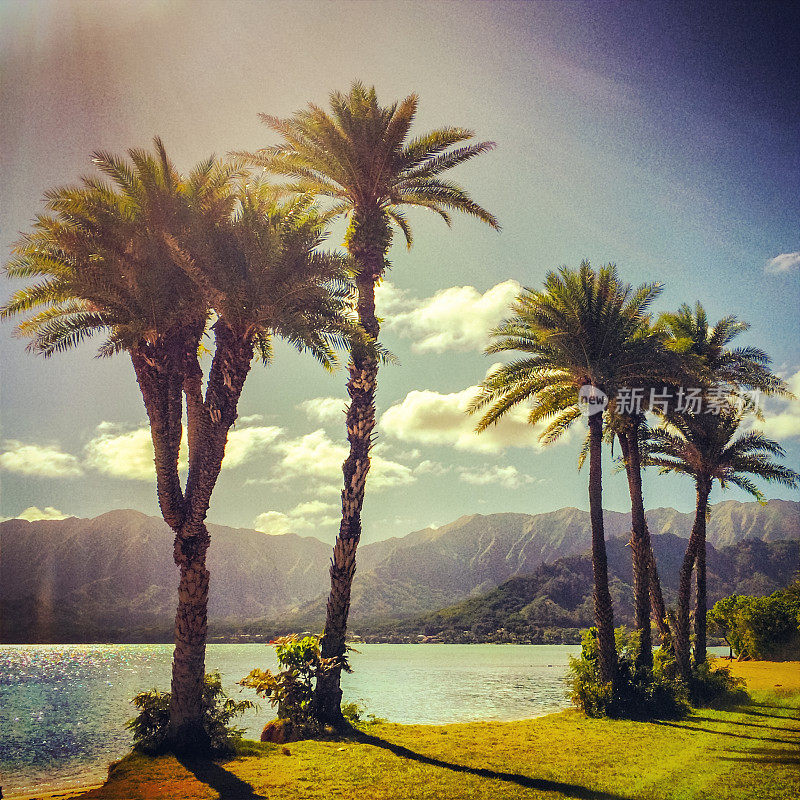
x,y
716,686
291,691
150,725
636,693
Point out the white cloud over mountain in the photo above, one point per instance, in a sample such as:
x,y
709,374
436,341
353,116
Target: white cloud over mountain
x,y
41,461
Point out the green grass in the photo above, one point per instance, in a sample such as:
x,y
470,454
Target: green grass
x,y
749,752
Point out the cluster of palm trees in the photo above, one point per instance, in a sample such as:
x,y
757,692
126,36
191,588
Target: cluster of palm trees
x,y
162,262
586,328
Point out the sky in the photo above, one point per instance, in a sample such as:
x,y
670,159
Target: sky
x,y
662,137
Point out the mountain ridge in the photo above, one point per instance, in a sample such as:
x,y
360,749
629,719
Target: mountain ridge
x,y
114,572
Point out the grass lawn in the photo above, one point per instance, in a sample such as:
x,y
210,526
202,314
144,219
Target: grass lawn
x,y
750,752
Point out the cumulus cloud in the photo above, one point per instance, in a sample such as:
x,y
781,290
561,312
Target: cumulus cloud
x,y
272,522
457,318
785,422
34,513
433,468
429,417
783,263
129,454
317,457
246,443
509,477
324,409
41,461
311,514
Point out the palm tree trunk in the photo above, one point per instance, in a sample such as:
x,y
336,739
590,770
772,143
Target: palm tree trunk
x,y
700,608
603,607
361,387
681,638
640,544
657,604
186,732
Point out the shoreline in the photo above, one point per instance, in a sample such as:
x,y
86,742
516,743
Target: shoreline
x,y
771,676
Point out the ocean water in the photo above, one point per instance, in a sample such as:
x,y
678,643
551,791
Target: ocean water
x,y
63,707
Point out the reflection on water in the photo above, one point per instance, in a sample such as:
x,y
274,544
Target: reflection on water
x,y
63,707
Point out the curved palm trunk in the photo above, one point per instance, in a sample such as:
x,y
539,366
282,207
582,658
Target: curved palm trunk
x,y
700,608
657,604
698,535
603,607
361,387
641,547
164,378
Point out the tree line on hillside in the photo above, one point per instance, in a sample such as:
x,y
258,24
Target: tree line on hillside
x,y
162,262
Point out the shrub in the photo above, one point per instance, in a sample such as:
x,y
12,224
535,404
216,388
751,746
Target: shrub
x,y
636,693
291,691
715,685
150,725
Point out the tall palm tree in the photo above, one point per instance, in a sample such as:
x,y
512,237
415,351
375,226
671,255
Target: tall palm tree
x,y
150,260
359,158
584,329
724,372
708,447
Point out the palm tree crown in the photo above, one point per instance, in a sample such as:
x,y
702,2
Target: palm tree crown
x,y
584,328
359,156
707,447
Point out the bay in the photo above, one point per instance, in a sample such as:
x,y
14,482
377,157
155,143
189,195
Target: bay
x,y
63,708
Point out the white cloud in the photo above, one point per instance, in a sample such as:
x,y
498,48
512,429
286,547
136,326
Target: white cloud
x,y
42,461
319,458
124,454
433,468
509,477
312,514
428,417
246,443
34,513
457,318
324,409
783,263
129,454
272,522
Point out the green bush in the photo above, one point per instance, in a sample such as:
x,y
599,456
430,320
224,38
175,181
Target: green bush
x,y
760,627
150,725
291,691
636,693
715,686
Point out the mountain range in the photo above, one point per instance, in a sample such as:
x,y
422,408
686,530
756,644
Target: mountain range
x,y
112,577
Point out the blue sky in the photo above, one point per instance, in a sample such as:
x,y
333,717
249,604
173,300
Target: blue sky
x,y
661,136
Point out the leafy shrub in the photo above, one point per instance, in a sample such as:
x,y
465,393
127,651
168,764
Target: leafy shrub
x,y
355,714
715,685
291,691
760,627
636,693
150,725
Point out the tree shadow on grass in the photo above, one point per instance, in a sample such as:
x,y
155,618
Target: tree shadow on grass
x,y
724,733
542,784
226,783
746,710
767,755
748,724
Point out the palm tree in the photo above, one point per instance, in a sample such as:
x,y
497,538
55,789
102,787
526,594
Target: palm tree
x,y
359,157
150,260
706,447
725,373
584,329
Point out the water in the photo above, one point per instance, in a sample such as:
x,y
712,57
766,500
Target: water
x,y
63,707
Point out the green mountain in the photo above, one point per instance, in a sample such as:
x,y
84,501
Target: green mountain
x,y
112,577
